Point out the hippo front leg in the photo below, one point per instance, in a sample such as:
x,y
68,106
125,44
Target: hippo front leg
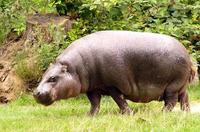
x,y
94,98
119,99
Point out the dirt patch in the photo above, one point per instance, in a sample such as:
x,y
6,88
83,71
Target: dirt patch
x,y
37,27
10,84
194,107
42,23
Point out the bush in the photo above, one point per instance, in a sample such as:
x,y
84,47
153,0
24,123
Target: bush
x,y
13,13
34,59
27,69
180,18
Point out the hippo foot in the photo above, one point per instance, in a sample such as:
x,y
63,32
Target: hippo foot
x,y
185,108
127,111
168,107
93,112
184,102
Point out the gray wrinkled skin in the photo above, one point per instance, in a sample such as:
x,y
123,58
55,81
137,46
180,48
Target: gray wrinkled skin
x,y
140,67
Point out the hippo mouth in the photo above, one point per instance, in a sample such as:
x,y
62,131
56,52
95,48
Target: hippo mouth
x,y
44,99
45,102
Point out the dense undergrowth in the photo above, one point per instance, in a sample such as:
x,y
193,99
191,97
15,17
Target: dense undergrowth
x,y
178,18
13,15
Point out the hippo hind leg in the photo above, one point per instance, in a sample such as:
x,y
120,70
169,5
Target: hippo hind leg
x,y
119,99
170,100
170,96
184,101
94,98
176,92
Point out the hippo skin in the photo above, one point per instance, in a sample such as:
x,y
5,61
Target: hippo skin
x,y
136,66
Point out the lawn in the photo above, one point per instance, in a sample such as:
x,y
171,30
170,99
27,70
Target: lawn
x,y
26,115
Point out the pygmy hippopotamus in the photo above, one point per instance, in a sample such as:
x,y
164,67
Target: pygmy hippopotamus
x,y
137,66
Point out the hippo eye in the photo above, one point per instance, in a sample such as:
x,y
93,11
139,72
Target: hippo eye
x,y
52,79
64,69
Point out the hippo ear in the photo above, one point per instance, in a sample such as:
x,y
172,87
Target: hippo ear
x,y
64,68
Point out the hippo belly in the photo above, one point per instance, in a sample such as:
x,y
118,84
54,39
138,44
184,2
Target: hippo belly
x,y
147,94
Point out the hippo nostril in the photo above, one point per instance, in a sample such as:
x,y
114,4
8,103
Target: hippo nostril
x,y
36,93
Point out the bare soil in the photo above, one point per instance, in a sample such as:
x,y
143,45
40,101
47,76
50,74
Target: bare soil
x,y
10,84
194,107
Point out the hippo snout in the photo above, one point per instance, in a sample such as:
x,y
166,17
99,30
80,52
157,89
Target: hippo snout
x,y
43,98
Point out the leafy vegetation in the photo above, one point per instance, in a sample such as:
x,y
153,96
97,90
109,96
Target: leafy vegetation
x,y
35,58
13,15
180,18
25,114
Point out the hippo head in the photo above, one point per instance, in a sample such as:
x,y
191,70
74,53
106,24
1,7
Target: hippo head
x,y
57,83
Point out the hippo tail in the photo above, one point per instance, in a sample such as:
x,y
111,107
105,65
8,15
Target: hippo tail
x,y
193,78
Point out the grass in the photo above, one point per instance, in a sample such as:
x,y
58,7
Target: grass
x,y
25,114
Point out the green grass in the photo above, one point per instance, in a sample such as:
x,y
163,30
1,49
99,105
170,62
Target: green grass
x,y
25,114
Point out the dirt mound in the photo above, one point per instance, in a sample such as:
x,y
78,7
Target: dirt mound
x,y
43,23
10,84
37,25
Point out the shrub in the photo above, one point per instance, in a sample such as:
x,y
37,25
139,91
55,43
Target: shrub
x,y
180,18
13,13
27,69
34,59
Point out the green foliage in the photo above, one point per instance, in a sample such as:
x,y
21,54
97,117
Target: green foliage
x,y
47,52
13,14
194,93
34,59
180,18
28,69
46,55
24,100
30,65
